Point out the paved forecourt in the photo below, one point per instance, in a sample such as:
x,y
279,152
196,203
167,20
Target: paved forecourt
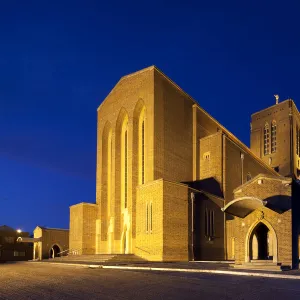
x,y
53,281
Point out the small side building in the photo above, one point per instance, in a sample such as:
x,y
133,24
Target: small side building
x,y
50,242
10,250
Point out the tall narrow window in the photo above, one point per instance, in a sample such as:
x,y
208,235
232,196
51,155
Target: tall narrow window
x,y
147,218
249,176
205,222
209,226
142,146
109,172
210,223
232,248
126,168
297,138
150,217
298,141
106,171
273,137
266,140
143,152
122,198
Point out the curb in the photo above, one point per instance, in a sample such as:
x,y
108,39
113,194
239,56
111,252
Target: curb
x,y
66,264
213,261
236,273
217,272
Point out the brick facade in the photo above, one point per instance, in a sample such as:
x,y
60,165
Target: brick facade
x,y
83,228
180,144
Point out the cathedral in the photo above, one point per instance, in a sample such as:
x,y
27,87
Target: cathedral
x,y
173,184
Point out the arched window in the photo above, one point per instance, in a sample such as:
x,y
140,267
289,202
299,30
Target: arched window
x,y
124,162
143,152
147,218
139,143
249,177
150,217
106,175
297,134
273,137
109,172
142,141
125,167
297,140
266,139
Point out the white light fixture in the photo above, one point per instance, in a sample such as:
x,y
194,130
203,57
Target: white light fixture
x,y
19,230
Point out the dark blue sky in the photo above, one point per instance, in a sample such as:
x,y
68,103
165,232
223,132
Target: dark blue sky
x,y
59,60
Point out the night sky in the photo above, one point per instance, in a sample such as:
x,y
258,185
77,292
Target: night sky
x,y
60,59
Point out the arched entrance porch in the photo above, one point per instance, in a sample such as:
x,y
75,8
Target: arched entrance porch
x,y
260,248
54,251
261,242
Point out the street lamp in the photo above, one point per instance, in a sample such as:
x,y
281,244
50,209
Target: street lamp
x,y
19,230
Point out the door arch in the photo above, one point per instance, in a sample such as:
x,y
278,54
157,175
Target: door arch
x,y
54,251
259,242
263,225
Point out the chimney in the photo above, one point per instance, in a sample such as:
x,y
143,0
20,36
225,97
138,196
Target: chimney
x,y
277,98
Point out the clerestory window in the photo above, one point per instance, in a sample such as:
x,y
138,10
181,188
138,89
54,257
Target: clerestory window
x,y
273,137
266,139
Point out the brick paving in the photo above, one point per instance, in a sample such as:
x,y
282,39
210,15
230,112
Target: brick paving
x,y
178,265
48,281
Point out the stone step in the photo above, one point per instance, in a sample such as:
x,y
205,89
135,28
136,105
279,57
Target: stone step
x,y
266,261
100,258
263,263
259,267
89,257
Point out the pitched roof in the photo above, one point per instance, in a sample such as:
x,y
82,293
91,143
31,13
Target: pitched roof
x,y
228,134
48,228
263,176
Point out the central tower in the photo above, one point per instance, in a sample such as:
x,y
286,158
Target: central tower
x,y
275,137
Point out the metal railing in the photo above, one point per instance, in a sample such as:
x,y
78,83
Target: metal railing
x,y
71,251
59,253
75,251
